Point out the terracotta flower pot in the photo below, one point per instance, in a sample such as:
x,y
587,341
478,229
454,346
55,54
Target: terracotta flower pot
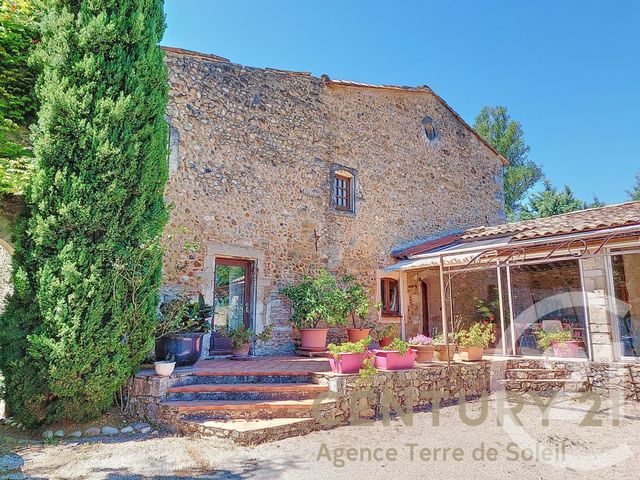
x,y
384,341
346,362
392,360
356,334
314,338
424,353
471,354
241,352
566,349
441,351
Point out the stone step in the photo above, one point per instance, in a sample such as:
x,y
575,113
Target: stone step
x,y
545,385
536,373
245,409
524,363
204,377
246,391
248,432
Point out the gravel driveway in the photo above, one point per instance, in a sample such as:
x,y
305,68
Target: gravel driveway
x,y
454,449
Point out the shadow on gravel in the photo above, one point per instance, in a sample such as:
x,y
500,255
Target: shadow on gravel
x,y
251,468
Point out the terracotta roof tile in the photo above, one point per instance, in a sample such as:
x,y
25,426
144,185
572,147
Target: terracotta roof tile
x,y
574,222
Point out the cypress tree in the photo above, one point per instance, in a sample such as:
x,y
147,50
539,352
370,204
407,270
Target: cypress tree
x,y
87,261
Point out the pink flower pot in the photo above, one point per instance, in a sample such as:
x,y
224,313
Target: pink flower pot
x,y
314,338
346,362
567,349
357,334
392,360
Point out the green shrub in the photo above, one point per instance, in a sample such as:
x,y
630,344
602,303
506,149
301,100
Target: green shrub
x,y
243,335
478,335
316,300
398,345
388,330
358,302
87,260
183,315
349,347
545,339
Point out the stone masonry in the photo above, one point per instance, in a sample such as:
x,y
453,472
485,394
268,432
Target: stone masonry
x,y
252,156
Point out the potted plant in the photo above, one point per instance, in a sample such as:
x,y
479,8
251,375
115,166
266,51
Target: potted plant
x,y
560,341
398,355
242,337
164,368
386,333
182,324
486,310
348,357
423,346
441,347
473,341
316,301
357,305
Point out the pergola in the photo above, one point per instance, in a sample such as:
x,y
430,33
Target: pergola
x,y
503,253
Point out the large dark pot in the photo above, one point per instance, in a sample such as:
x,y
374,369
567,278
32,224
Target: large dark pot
x,y
184,348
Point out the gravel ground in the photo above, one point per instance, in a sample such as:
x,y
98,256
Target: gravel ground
x,y
564,449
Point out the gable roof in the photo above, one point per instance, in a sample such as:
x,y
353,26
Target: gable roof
x,y
421,89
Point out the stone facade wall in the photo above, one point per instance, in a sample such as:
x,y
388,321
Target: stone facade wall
x,y
252,152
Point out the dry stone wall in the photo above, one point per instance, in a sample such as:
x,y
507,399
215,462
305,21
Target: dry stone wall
x,y
252,154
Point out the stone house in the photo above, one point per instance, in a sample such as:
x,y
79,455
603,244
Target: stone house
x,y
275,174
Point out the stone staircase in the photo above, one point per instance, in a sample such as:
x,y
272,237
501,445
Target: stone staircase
x,y
247,407
544,378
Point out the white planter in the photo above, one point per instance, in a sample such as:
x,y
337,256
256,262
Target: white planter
x,y
164,369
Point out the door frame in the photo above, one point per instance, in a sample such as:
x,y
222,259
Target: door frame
x,y
424,291
612,306
249,266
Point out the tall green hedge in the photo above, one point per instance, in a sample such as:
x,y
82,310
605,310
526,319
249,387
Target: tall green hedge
x,y
87,258
18,103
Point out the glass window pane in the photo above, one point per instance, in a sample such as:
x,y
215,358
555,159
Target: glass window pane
x,y
229,296
626,286
548,298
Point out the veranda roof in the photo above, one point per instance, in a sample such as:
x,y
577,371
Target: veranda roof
x,y
558,234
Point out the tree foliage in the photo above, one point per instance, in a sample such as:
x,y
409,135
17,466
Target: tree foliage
x,y
634,193
496,127
552,201
87,258
18,103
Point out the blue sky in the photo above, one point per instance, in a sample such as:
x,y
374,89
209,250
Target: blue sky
x,y
569,71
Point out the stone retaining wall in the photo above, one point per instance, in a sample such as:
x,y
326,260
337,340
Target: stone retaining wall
x,y
602,378
421,386
391,391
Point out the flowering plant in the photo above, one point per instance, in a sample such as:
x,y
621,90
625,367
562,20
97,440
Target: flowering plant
x,y
421,339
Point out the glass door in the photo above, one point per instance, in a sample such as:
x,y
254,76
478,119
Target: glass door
x,y
231,300
232,293
626,289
